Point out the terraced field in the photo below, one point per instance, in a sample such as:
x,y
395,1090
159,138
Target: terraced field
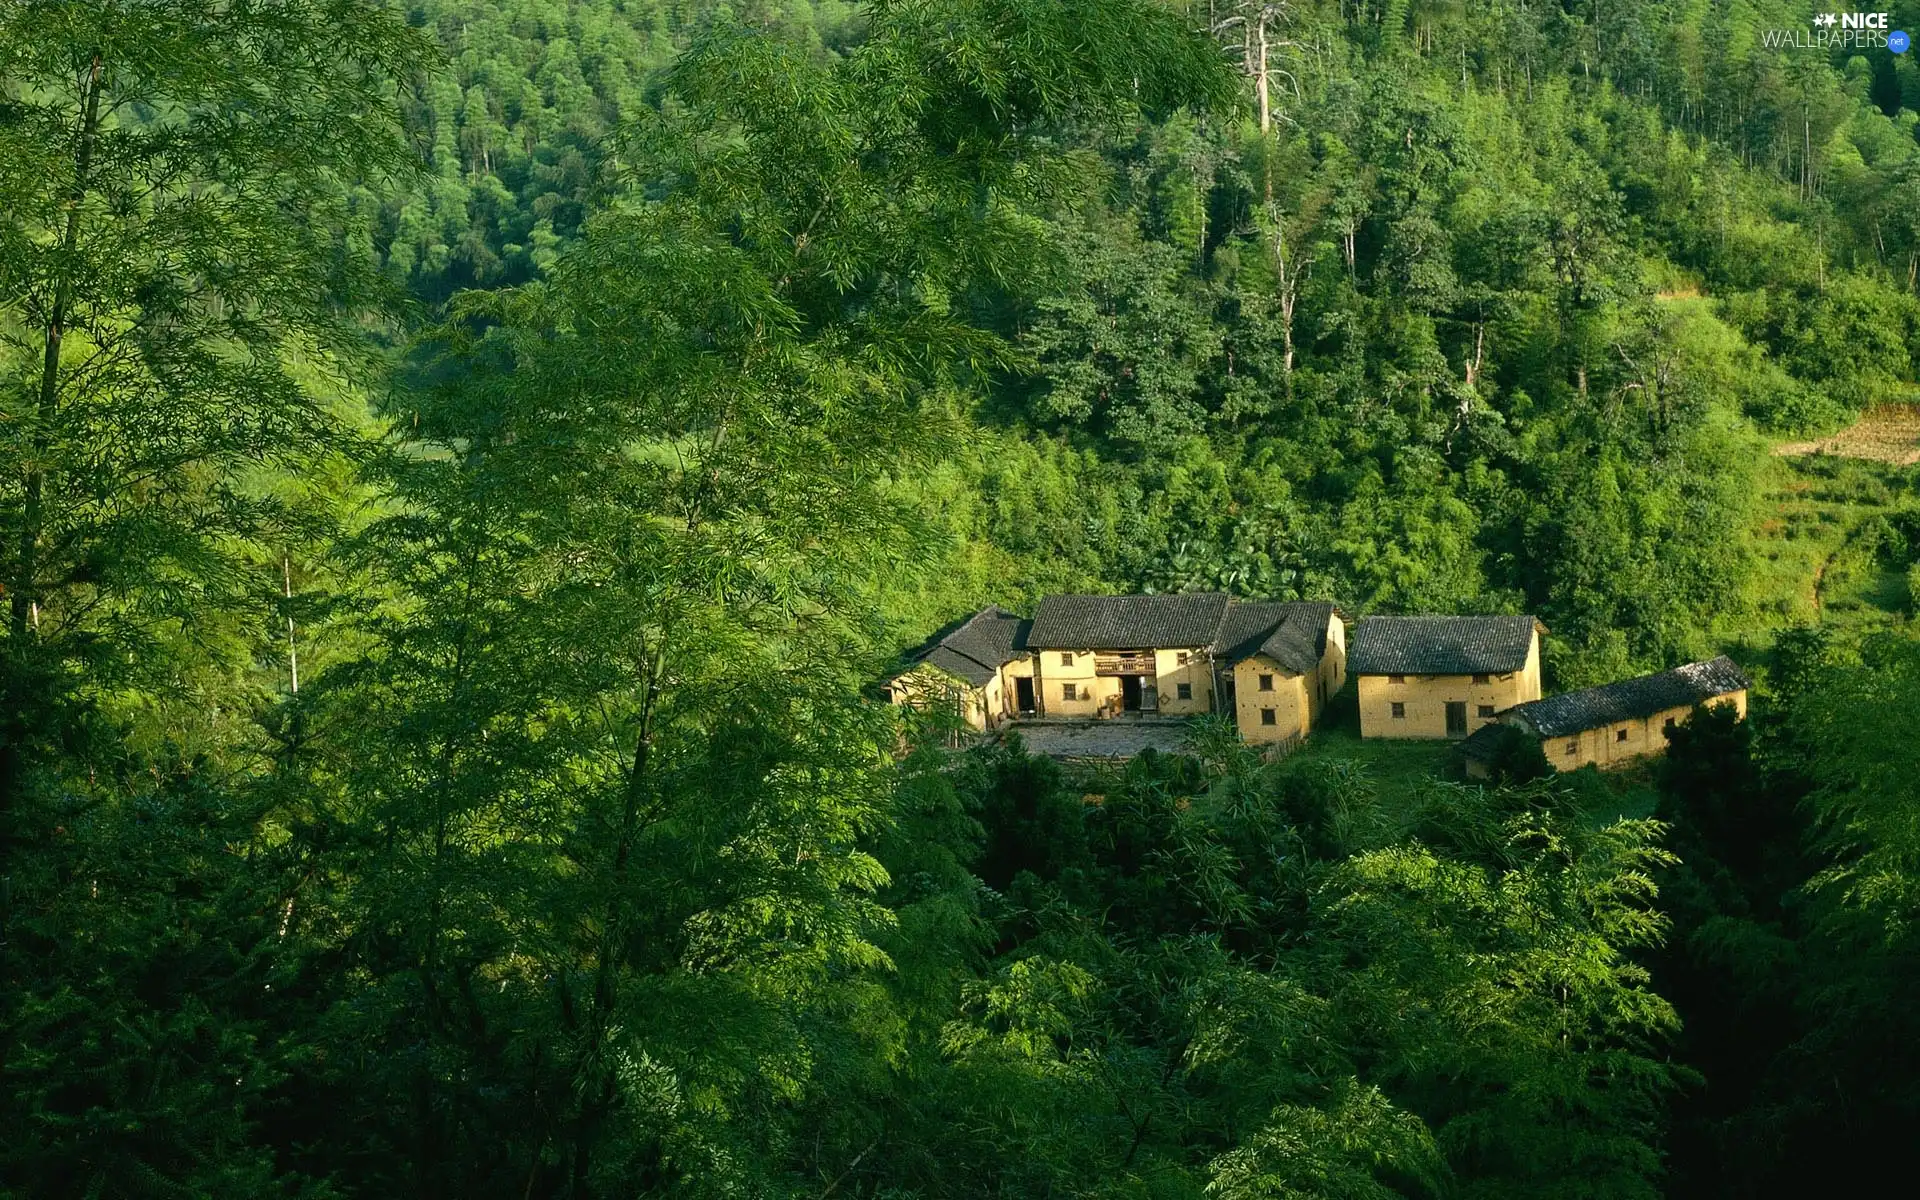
x,y
1890,434
1832,542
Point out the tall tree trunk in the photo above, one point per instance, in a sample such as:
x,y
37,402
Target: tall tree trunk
x,y
23,596
599,1102
25,589
1261,78
1288,274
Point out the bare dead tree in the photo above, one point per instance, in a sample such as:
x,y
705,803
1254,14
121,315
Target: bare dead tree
x,y
1258,30
1289,268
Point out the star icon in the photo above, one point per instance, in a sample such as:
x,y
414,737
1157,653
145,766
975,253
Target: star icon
x,y
1824,18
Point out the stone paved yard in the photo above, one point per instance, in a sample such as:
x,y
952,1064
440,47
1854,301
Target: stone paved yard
x,y
1102,739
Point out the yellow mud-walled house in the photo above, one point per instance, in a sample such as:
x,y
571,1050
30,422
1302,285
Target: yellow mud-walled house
x,y
978,668
1442,677
1272,667
1280,665
1616,723
1105,656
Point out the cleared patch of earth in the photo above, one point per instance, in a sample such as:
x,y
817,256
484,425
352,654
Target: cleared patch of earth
x,y
1102,739
1889,434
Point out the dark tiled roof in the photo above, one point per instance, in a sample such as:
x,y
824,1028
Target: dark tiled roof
x,y
1127,622
1439,645
1292,634
1631,699
977,647
1481,744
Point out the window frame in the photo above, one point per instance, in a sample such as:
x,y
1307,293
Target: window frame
x,y
1266,682
1066,658
1183,691
1270,716
1398,710
1069,691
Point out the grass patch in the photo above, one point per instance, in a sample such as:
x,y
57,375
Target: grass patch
x,y
1399,767
1820,559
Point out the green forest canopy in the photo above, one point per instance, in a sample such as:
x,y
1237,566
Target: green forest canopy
x,y
465,461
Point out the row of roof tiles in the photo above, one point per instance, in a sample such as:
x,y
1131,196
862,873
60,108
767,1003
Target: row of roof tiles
x,y
1294,634
1491,645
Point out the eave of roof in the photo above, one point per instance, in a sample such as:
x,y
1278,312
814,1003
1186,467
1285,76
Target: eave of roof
x,y
1481,744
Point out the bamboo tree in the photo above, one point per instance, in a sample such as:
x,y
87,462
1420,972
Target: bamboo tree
x,y
168,265
176,306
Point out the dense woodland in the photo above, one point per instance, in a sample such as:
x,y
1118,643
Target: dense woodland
x,y
464,464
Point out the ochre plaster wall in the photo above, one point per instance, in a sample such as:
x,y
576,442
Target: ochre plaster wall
x,y
1426,696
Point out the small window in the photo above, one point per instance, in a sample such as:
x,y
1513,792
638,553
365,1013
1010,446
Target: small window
x,y
1066,658
1573,747
1180,658
1485,710
1483,679
1620,735
1669,725
1396,679
1269,717
1069,691
1266,683
1399,711
1184,690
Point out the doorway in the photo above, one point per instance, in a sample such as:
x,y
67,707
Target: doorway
x,y
1130,693
1456,718
1023,696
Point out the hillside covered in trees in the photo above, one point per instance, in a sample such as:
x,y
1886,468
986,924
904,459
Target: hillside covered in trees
x,y
464,463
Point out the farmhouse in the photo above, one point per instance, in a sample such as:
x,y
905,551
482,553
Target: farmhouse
x,y
1279,664
1616,722
1270,666
1442,677
1099,656
971,667
1273,668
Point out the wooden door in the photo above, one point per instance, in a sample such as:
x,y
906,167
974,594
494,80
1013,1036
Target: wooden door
x,y
1456,718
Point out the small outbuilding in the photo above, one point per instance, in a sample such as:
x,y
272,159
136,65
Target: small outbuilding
x,y
1617,723
979,668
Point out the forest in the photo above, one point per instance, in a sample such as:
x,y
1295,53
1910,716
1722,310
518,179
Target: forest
x,y
465,465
